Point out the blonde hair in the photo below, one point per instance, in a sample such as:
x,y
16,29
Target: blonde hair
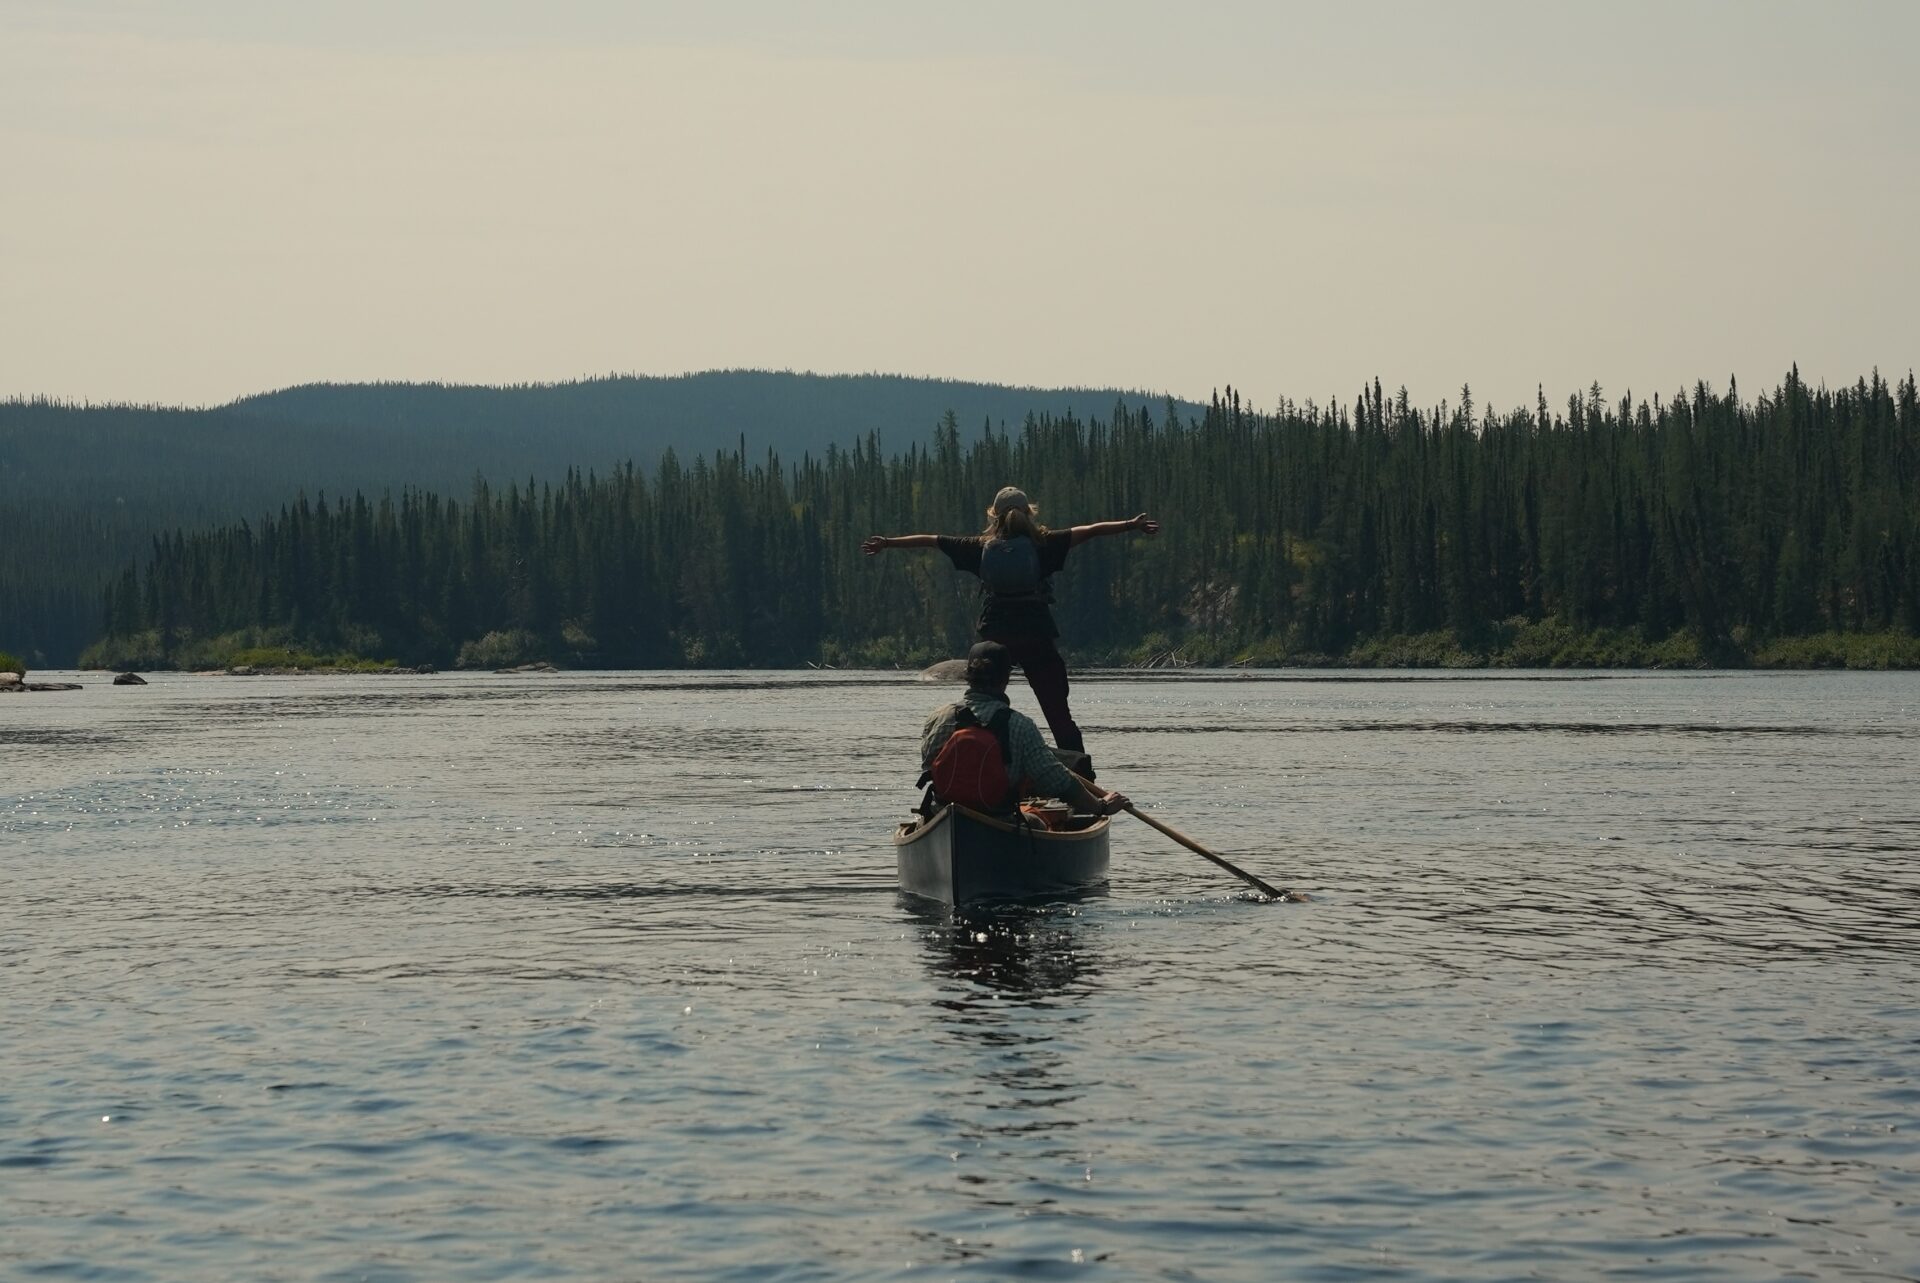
x,y
1014,522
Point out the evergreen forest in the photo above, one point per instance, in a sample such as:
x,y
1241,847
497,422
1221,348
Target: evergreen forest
x,y
1698,529
84,489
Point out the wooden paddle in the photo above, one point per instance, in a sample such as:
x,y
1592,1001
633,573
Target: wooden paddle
x,y
1193,846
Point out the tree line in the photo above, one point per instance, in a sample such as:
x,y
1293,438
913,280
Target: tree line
x,y
1702,523
83,489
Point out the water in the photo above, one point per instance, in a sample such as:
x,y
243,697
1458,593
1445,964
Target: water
x,y
605,976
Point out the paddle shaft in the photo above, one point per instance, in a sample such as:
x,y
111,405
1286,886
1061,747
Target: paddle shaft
x,y
1196,848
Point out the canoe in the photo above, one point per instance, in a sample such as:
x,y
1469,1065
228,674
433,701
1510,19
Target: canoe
x,y
960,856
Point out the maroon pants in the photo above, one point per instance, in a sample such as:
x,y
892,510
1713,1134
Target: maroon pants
x,y
1046,672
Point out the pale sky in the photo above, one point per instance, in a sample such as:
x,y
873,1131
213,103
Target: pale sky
x,y
206,198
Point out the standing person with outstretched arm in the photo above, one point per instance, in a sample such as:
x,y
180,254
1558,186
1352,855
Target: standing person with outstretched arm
x,y
1014,558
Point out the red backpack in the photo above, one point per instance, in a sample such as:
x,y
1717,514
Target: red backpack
x,y
972,767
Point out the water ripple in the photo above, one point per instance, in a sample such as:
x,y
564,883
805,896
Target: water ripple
x,y
461,977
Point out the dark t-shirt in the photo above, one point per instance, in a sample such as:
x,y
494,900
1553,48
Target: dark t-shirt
x,y
1015,616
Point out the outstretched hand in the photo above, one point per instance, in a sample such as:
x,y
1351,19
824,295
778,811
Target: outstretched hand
x,y
1145,525
873,545
1114,803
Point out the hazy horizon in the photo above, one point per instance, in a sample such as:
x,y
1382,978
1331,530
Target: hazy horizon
x,y
1746,389
219,199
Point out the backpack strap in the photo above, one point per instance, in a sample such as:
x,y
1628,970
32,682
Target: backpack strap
x,y
997,727
997,724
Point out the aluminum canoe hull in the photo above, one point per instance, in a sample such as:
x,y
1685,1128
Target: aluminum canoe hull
x,y
961,856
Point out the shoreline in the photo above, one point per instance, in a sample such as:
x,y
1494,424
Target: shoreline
x,y
1513,645
1101,671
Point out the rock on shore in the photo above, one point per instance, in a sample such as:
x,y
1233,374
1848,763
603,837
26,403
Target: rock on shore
x,y
11,683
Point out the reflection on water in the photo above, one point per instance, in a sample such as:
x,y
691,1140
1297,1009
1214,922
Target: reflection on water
x,y
1012,989
1016,952
607,975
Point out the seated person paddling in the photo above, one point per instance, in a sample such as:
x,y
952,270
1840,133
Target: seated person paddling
x,y
982,754
1015,558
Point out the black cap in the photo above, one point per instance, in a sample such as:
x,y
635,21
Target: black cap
x,y
989,657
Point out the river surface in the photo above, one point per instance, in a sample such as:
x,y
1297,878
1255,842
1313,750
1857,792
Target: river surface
x,y
605,976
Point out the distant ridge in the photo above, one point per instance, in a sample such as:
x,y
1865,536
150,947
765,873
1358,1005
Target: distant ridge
x,y
638,416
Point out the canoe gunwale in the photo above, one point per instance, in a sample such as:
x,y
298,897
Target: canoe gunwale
x,y
914,830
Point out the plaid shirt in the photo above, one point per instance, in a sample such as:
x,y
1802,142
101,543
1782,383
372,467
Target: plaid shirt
x,y
1032,761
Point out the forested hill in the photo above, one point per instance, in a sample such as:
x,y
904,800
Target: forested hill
x,y
634,417
84,490
1702,529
